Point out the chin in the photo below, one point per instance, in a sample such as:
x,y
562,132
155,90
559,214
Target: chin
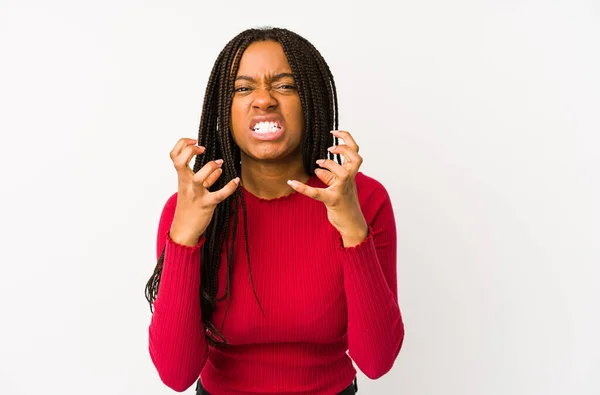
x,y
267,156
270,154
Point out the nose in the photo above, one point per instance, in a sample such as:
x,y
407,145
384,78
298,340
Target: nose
x,y
263,100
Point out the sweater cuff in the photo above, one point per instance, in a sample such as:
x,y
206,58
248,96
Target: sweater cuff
x,y
183,249
361,256
178,256
363,272
362,245
180,270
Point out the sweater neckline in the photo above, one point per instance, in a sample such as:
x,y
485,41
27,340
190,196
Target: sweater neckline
x,y
311,182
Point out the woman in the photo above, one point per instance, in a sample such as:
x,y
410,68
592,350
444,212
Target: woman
x,y
275,257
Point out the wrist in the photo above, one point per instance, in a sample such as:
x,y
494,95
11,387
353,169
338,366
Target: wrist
x,y
184,238
355,237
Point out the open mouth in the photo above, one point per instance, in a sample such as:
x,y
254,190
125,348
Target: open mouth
x,y
266,127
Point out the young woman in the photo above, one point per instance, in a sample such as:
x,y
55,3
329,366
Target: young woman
x,y
276,256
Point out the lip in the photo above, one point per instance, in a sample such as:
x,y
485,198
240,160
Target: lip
x,y
267,118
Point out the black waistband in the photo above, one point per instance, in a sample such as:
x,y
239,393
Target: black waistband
x,y
350,390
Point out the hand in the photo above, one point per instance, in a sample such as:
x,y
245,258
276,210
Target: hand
x,y
195,203
340,197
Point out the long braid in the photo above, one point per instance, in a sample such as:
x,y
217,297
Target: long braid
x,y
221,226
318,98
305,93
332,92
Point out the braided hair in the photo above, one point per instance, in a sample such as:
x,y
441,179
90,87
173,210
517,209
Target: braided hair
x,y
318,98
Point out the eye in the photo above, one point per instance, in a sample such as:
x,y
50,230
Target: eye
x,y
287,87
242,89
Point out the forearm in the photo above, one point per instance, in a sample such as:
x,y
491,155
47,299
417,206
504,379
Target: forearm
x,y
177,341
375,327
353,228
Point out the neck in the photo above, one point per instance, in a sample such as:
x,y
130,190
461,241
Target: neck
x,y
268,180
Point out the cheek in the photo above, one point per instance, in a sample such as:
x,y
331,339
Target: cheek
x,y
236,125
238,118
298,115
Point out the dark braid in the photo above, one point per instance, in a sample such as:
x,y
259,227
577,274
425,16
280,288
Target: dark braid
x,y
328,79
318,97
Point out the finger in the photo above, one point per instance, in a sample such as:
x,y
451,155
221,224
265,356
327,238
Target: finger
x,y
326,176
226,191
347,137
202,175
180,145
212,178
335,168
315,193
351,157
186,155
182,162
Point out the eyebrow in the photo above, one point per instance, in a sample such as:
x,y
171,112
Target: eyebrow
x,y
273,78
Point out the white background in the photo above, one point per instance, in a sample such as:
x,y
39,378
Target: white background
x,y
479,117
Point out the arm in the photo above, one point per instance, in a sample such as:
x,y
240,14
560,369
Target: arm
x,y
375,327
177,342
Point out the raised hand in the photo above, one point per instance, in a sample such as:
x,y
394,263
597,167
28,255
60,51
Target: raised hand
x,y
340,197
195,203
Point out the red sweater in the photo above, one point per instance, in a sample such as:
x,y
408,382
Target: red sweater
x,y
320,300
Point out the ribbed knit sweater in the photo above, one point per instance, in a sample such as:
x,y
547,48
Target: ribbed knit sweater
x,y
325,305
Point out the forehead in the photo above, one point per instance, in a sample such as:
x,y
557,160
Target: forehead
x,y
263,57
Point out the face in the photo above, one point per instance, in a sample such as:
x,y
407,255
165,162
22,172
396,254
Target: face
x,y
266,115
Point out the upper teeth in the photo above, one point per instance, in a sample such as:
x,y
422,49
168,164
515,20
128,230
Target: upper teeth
x,y
266,127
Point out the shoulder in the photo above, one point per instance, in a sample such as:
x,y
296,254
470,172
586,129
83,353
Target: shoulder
x,y
372,195
369,188
170,204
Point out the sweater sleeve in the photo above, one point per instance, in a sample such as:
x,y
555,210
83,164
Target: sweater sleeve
x,y
375,327
177,342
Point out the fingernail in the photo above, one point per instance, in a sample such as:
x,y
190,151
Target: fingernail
x,y
219,161
330,149
236,180
320,161
292,183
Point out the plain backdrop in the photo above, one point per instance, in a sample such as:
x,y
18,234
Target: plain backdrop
x,y
479,117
